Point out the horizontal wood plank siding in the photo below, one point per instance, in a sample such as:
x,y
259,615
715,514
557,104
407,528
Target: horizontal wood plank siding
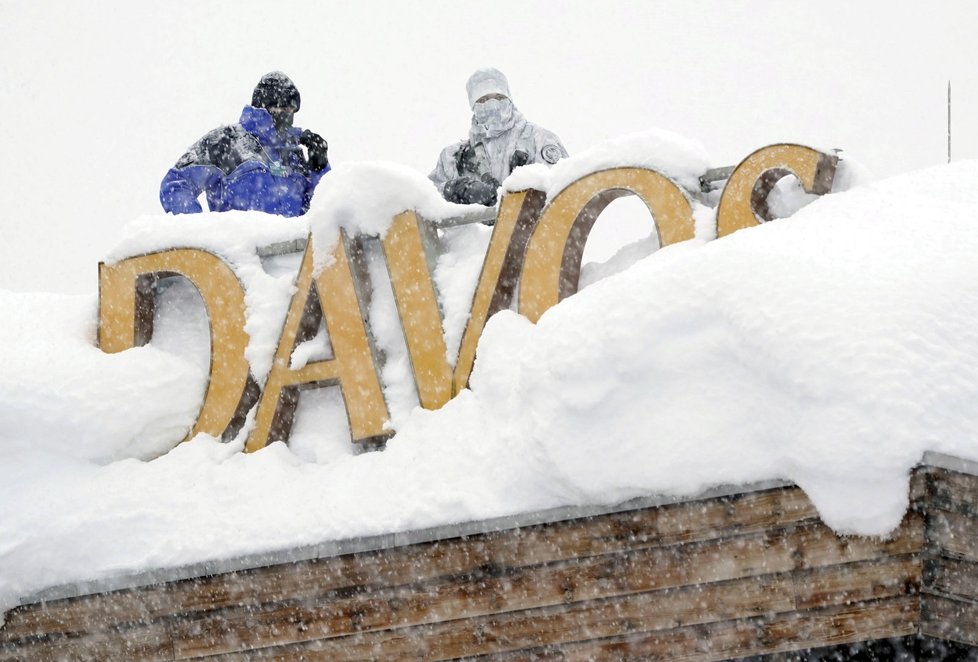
x,y
731,639
950,581
575,539
622,616
950,619
710,579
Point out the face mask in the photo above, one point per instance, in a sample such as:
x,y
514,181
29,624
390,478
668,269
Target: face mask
x,y
282,119
494,115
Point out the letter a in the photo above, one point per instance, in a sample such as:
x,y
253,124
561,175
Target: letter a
x,y
333,297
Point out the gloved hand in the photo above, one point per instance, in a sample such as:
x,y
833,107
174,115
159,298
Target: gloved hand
x,y
468,190
519,158
466,161
317,148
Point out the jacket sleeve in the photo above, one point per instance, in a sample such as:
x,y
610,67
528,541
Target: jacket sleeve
x,y
181,187
314,176
313,180
446,169
548,148
203,166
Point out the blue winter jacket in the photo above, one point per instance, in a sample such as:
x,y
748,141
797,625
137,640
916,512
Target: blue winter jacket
x,y
246,166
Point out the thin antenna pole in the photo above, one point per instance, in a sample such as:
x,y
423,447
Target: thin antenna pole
x,y
949,121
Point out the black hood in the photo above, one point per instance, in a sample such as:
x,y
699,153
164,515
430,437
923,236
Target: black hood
x,y
276,90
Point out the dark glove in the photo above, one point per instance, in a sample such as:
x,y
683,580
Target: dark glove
x,y
466,161
519,158
316,148
469,190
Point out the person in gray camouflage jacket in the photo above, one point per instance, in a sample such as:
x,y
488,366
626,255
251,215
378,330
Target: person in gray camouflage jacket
x,y
500,140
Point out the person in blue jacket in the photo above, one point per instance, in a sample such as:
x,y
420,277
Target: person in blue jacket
x,y
257,164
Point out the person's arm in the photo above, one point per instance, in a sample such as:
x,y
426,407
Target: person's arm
x,y
547,147
446,168
457,185
181,187
318,152
316,163
313,178
471,190
196,170
551,150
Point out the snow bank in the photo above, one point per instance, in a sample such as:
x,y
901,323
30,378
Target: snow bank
x,y
832,349
234,236
679,158
61,395
363,198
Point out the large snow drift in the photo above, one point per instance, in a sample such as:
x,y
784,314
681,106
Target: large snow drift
x,y
832,349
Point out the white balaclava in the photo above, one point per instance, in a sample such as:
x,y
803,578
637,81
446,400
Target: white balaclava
x,y
486,81
494,116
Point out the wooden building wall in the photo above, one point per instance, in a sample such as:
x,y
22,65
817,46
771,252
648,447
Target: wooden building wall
x,y
708,579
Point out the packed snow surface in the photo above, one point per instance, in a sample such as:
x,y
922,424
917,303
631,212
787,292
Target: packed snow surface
x,y
362,198
675,156
832,348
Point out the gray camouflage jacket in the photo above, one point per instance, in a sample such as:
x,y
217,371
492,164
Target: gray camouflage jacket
x,y
493,156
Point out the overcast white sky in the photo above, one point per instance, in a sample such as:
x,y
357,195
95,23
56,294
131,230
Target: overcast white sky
x,y
98,99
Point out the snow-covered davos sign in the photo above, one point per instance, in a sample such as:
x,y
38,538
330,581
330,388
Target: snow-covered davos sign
x,y
533,261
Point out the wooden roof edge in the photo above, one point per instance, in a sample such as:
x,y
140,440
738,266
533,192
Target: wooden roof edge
x,y
949,462
333,548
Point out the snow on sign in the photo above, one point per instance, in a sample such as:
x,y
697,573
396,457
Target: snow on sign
x,y
537,244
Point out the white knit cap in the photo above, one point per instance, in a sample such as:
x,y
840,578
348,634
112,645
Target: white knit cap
x,y
486,81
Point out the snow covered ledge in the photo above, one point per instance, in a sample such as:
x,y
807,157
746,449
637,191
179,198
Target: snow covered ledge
x,y
805,349
676,573
360,544
540,246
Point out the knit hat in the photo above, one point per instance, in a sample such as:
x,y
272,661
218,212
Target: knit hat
x,y
275,90
486,81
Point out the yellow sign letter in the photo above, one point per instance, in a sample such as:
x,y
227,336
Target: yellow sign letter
x,y
554,253
744,200
126,320
331,297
